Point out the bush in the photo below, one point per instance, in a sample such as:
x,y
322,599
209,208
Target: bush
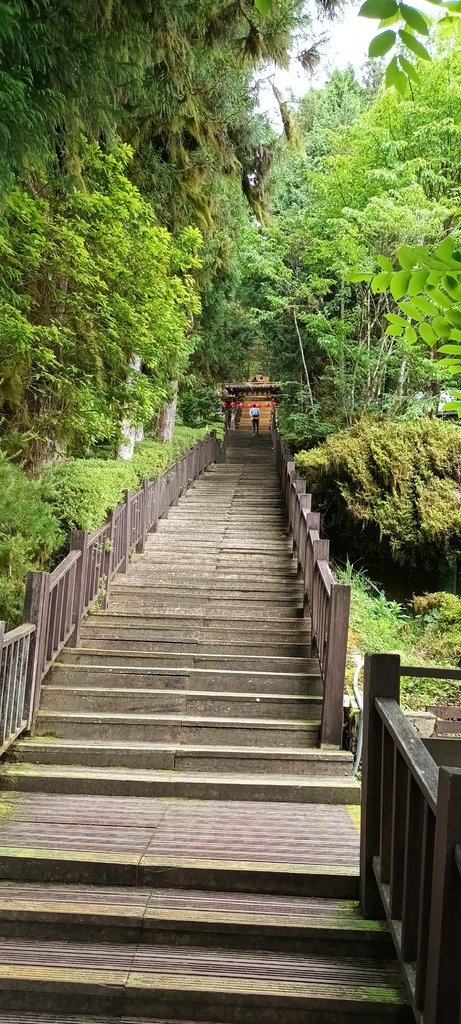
x,y
397,482
83,491
36,516
199,406
29,536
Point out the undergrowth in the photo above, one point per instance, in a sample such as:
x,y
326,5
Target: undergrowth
x,y
428,633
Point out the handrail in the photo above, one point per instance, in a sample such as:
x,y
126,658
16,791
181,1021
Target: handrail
x,y
410,846
56,602
326,600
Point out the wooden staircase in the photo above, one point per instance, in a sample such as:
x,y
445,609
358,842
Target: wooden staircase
x,y
175,845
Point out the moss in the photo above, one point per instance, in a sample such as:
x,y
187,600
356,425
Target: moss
x,y
394,481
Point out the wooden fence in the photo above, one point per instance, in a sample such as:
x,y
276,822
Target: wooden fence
x,y
326,600
56,602
411,843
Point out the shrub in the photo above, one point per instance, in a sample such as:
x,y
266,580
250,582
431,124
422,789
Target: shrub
x,y
397,482
29,536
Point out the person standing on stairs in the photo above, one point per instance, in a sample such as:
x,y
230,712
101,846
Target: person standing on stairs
x,y
254,415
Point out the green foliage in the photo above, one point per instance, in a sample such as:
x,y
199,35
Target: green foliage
x,y
199,405
88,282
82,491
410,24
29,535
36,516
428,634
395,484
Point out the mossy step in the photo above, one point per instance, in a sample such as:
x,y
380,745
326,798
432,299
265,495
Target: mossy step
x,y
226,920
218,845
147,782
257,764
178,728
195,982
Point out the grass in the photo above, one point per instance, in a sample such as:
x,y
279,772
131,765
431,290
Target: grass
x,y
428,634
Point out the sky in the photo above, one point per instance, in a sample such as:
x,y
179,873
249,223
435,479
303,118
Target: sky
x,y
348,38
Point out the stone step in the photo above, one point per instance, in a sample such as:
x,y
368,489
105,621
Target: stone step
x,y
132,700
225,920
107,641
302,849
179,728
184,785
189,659
197,983
193,679
257,764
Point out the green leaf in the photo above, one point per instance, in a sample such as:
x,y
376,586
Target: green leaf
x,y
441,327
378,9
410,335
445,249
452,286
382,44
409,69
385,22
454,350
425,307
394,331
385,263
381,282
437,295
263,6
414,19
455,335
427,333
391,71
414,45
454,317
417,282
394,318
399,284
407,256
411,310
355,278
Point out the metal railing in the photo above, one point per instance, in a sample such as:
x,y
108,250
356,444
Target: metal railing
x,y
55,603
411,843
326,600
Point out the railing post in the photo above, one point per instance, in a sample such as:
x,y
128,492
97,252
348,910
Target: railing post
x,y
331,731
109,559
79,542
145,514
381,679
443,984
127,538
36,611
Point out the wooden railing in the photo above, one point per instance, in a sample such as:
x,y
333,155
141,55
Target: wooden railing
x,y
326,600
411,843
55,603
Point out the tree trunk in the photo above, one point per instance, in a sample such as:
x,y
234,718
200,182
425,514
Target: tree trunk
x,y
130,434
166,420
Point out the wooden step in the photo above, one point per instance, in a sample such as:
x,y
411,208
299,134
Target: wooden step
x,y
185,678
179,728
199,703
196,982
292,848
226,920
59,778
189,659
255,763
